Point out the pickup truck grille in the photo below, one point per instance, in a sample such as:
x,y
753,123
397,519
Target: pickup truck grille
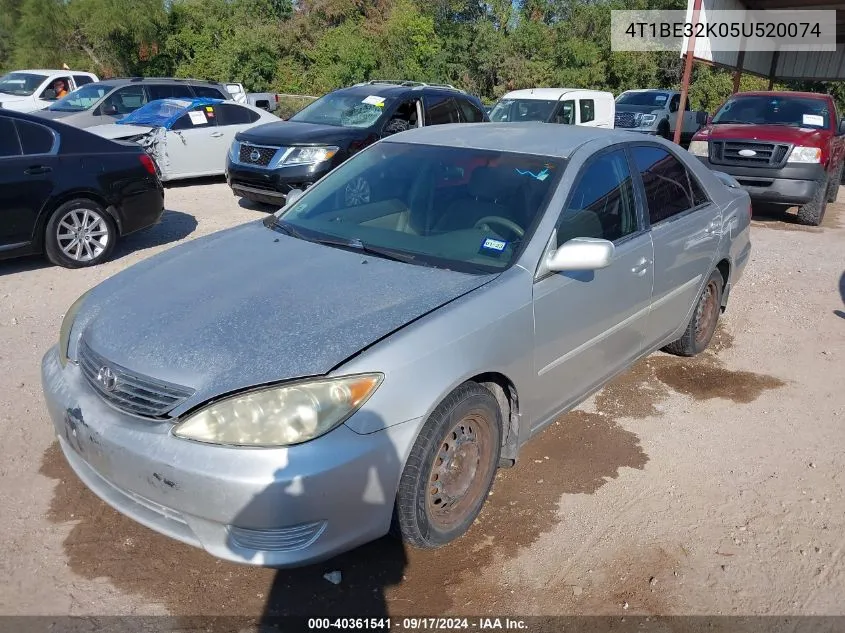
x,y
625,119
258,155
740,153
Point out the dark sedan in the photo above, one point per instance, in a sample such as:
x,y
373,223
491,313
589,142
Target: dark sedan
x,y
70,194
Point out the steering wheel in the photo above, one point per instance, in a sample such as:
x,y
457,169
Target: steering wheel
x,y
495,219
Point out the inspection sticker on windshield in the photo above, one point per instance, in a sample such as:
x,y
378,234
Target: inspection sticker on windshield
x,y
197,117
373,100
813,119
541,175
490,244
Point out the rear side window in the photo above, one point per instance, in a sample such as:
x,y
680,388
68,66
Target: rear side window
x,y
565,113
211,93
81,80
471,112
440,110
168,91
587,109
35,139
669,188
124,100
230,114
9,145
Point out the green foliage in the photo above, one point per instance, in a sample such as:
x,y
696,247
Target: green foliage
x,y
314,46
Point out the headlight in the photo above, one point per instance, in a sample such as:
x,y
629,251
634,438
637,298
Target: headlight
x,y
234,150
309,155
280,416
647,120
67,326
805,155
698,148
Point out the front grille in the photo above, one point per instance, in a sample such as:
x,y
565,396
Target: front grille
x,y
278,539
127,391
625,119
258,155
765,154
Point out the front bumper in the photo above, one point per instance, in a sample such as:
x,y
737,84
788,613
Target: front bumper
x,y
271,185
792,184
274,507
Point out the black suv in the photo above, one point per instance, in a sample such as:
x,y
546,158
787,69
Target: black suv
x,y
268,161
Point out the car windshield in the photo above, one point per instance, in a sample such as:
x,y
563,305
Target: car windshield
x,y
646,98
20,84
523,110
82,99
463,209
775,110
344,110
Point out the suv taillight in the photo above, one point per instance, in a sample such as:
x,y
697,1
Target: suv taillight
x,y
148,164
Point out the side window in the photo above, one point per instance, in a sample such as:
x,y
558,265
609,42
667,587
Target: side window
x,y
200,116
602,203
666,183
230,114
587,110
124,100
56,89
35,139
471,113
9,144
440,110
686,105
211,93
404,118
168,91
565,113
674,103
82,80
698,195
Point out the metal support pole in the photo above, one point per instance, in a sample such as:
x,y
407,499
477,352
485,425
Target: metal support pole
x,y
738,72
679,119
773,68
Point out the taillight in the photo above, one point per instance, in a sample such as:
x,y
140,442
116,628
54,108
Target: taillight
x,y
148,164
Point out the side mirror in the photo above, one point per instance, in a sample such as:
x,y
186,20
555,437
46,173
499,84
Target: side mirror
x,y
109,110
842,126
293,196
581,253
49,95
701,118
673,107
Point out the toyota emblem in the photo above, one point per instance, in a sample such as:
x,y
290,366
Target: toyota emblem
x,y
107,379
254,155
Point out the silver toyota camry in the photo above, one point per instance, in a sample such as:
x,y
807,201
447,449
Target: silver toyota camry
x,y
285,390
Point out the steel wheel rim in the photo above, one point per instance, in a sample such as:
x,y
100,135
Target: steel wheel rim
x,y
706,313
459,473
357,192
83,234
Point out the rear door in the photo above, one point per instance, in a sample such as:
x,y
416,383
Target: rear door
x,y
685,229
440,109
194,146
27,161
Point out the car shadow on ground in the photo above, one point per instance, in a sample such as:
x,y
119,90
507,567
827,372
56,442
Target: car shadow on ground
x,y
173,227
193,182
251,205
841,313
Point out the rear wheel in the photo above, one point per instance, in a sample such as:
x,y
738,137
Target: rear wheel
x,y
450,470
80,233
704,319
812,213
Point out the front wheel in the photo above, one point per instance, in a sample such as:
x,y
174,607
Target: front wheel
x,y
80,233
450,470
833,185
812,213
705,317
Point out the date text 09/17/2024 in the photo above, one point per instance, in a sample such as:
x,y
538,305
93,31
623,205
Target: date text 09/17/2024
x,y
416,624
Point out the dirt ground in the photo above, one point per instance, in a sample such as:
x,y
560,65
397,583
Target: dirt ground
x,y
704,486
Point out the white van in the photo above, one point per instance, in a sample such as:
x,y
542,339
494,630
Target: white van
x,y
569,106
32,90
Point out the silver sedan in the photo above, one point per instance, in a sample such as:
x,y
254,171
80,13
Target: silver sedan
x,y
283,391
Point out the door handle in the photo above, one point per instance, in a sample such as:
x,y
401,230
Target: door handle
x,y
641,267
38,170
216,134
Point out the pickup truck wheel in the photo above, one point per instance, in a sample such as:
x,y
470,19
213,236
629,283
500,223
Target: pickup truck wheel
x,y
663,130
812,212
833,185
450,470
704,319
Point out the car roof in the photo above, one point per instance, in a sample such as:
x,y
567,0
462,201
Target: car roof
x,y
549,93
545,139
781,93
159,80
47,71
391,90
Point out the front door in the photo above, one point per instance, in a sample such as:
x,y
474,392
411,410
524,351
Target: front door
x,y
589,325
686,229
195,146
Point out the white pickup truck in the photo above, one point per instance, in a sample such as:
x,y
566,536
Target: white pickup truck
x,y
655,112
31,90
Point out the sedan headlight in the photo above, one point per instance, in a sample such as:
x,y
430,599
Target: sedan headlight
x,y
280,416
309,155
647,120
67,326
698,148
805,155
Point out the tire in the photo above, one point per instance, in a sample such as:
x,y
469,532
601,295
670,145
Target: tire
x,y
663,130
438,500
833,185
85,219
812,212
705,317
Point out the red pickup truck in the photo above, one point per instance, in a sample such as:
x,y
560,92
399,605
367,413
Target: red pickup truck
x,y
783,148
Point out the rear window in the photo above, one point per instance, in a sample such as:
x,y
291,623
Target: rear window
x,y
35,139
9,145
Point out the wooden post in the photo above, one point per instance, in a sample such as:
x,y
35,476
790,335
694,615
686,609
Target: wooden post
x,y
679,119
740,60
773,68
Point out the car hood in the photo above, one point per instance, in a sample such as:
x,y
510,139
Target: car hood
x,y
115,130
54,114
250,306
772,133
627,107
287,133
